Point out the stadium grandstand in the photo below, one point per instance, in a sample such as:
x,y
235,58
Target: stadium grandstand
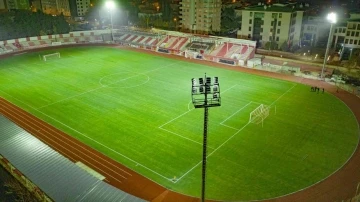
x,y
217,49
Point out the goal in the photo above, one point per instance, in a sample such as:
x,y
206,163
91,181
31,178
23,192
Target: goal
x,y
49,56
259,114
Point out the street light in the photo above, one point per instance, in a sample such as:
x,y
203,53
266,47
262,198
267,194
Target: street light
x,y
175,20
110,5
332,18
205,93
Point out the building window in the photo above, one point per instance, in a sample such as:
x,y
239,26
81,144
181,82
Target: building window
x,y
278,31
280,15
274,15
348,33
343,30
352,33
346,40
351,41
271,30
272,23
355,42
251,13
279,23
250,21
249,29
357,34
277,38
335,31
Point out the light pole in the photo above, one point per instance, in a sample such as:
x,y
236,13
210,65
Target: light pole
x,y
175,20
205,93
110,5
332,18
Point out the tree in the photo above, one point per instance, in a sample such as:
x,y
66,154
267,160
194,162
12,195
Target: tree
x,y
270,45
165,10
92,13
230,22
284,47
354,60
24,23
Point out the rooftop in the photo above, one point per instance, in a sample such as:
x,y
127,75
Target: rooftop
x,y
283,8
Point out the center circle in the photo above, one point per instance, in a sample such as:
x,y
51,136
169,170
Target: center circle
x,y
124,80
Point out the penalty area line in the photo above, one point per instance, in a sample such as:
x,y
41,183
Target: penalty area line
x,y
186,173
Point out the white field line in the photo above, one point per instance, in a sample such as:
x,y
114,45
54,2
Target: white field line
x,y
189,110
283,94
104,86
200,143
229,88
236,112
186,173
228,126
80,133
211,153
175,118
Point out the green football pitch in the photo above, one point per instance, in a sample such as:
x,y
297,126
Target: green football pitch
x,y
136,108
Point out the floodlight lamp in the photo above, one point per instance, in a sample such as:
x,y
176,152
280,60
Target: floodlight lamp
x,y
193,81
215,88
208,80
332,18
208,89
110,5
194,90
201,81
201,89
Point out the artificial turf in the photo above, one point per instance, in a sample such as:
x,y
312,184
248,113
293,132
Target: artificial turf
x,y
136,108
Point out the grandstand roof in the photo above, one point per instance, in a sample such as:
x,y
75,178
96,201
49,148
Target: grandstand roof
x,y
56,175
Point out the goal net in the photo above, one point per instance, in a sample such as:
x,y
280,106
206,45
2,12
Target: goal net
x,y
50,56
259,114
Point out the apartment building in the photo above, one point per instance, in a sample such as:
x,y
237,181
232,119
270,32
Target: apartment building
x,y
200,16
2,5
347,37
315,31
277,23
82,7
16,4
52,7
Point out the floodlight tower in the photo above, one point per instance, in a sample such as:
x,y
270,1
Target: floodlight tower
x,y
110,5
205,93
332,18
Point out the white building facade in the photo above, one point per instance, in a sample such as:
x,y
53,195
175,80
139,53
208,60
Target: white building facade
x,y
277,24
200,16
82,7
54,7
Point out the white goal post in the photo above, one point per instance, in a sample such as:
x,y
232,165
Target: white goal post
x,y
51,55
259,114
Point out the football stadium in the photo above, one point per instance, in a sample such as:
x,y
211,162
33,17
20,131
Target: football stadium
x,y
125,110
